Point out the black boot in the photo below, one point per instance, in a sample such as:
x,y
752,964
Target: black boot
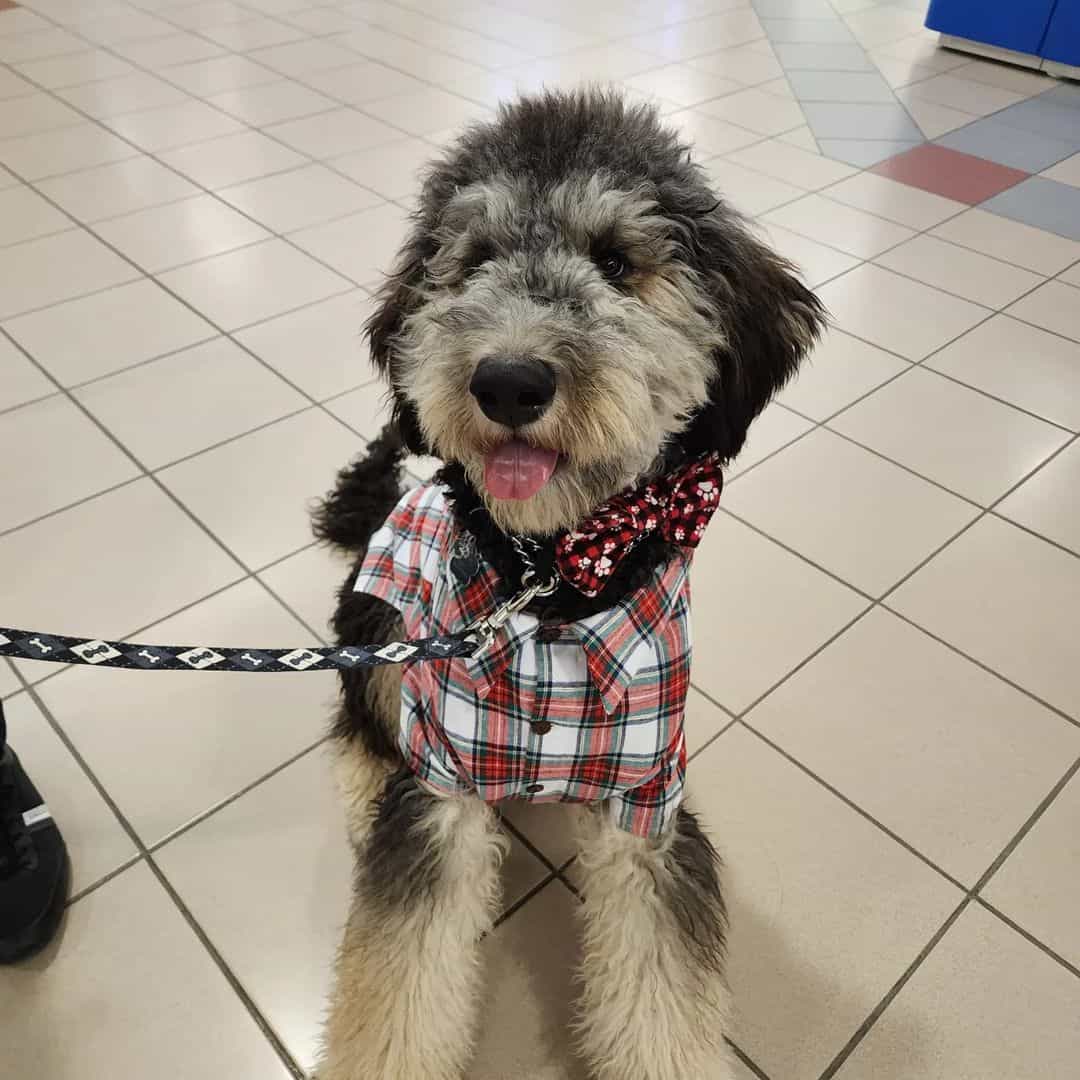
x,y
34,869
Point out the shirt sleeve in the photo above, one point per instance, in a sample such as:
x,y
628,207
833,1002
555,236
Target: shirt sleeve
x,y
384,571
649,809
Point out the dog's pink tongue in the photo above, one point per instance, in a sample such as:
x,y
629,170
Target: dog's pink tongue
x,y
517,470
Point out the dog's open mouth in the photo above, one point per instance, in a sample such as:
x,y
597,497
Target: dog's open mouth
x,y
517,470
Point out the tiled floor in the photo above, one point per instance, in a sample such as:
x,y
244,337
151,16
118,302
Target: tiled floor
x,y
195,200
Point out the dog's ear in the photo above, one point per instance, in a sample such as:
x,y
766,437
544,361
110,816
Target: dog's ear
x,y
769,318
396,299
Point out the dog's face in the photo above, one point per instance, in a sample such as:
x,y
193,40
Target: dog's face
x,y
573,298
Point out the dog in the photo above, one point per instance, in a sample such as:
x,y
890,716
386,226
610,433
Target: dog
x,y
581,331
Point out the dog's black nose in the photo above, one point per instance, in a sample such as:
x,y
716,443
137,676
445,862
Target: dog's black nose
x,y
513,390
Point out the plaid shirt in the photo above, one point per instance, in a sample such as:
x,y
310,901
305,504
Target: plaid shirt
x,y
588,712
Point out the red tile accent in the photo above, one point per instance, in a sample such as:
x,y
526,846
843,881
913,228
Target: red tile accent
x,y
963,177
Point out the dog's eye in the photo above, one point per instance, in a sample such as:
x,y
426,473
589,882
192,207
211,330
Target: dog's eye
x,y
613,265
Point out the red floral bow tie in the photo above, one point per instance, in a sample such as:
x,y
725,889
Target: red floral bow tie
x,y
677,505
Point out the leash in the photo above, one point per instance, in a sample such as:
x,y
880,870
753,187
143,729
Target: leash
x,y
97,652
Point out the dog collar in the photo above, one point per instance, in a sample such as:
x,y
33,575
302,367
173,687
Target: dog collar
x,y
677,506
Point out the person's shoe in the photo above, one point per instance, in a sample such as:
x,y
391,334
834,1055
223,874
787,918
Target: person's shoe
x,y
34,869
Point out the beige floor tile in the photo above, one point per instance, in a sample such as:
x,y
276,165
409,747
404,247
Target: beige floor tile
x,y
1064,172
220,74
162,237
774,428
308,582
1009,600
9,683
1038,887
46,438
96,841
709,135
889,717
815,262
527,1006
363,82
366,410
321,348
95,335
254,283
1011,241
966,441
879,306
686,40
25,215
129,983
173,125
1006,76
871,524
757,111
300,57
171,747
840,370
12,86
119,188
15,47
282,848
41,272
683,84
300,198
262,523
704,721
32,114
232,159
425,112
851,230
748,191
151,411
132,534
20,380
1054,306
959,270
1047,383
549,827
73,69
273,103
126,94
934,120
257,33
826,911
1048,502
362,246
800,167
392,171
986,1005
738,571
1072,275
55,153
959,92
168,50
331,134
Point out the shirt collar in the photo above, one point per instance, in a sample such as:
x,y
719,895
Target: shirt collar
x,y
610,639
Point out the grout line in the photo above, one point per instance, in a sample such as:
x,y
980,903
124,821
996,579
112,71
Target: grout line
x,y
745,1058
1029,937
521,901
92,888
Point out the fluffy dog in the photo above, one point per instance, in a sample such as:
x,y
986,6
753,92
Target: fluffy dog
x,y
574,314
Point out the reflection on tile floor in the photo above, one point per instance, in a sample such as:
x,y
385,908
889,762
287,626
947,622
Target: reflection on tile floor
x,y
196,200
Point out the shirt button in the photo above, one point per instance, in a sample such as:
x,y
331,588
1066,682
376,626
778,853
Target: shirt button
x,y
547,633
541,727
532,789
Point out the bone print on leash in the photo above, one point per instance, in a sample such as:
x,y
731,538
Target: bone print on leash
x,y
94,652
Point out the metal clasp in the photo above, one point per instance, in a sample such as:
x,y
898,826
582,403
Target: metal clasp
x,y
484,629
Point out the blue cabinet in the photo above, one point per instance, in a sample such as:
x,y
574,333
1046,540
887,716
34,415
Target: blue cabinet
x,y
1034,32
1062,42
1008,24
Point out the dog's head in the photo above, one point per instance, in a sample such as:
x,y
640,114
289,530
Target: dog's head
x,y
572,299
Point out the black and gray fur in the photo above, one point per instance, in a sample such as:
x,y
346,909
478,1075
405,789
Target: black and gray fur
x,y
574,229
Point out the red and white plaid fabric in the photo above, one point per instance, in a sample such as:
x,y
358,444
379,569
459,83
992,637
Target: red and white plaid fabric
x,y
593,713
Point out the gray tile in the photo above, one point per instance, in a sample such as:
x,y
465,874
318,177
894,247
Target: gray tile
x,y
867,121
1046,204
995,141
862,153
802,56
1067,94
818,31
794,9
1046,116
849,86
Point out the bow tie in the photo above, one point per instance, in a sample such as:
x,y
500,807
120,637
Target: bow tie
x,y
677,506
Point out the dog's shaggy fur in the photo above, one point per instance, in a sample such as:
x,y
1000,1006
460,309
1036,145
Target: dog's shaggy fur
x,y
576,230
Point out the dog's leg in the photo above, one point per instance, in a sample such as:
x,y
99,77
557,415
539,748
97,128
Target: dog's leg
x,y
654,1001
404,1007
